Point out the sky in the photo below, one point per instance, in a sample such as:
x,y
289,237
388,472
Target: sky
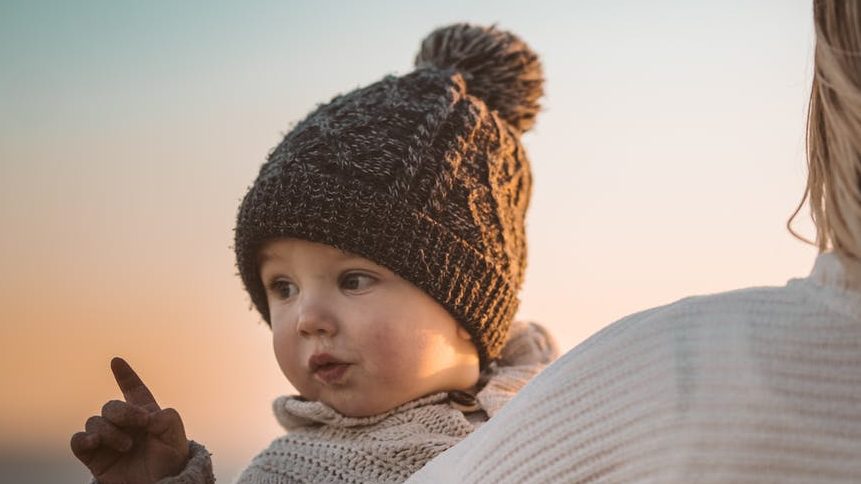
x,y
667,158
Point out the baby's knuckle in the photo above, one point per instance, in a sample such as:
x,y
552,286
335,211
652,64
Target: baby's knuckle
x,y
93,422
170,413
77,439
112,406
78,444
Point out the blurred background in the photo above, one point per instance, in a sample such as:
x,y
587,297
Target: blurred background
x,y
667,159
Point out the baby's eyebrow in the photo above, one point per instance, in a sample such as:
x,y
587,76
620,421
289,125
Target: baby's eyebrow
x,y
264,257
352,257
345,255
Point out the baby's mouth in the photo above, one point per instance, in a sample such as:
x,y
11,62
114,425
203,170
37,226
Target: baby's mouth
x,y
326,368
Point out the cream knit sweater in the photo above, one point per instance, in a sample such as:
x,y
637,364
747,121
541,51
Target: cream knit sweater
x,y
755,385
322,445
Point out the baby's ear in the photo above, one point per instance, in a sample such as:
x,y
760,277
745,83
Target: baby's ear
x,y
464,334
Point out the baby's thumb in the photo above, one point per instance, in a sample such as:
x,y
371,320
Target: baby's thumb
x,y
166,426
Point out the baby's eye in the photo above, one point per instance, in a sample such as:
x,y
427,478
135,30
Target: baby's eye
x,y
283,289
356,281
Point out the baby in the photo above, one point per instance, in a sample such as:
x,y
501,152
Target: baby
x,y
383,242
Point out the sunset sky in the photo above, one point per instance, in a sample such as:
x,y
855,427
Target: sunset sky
x,y
667,159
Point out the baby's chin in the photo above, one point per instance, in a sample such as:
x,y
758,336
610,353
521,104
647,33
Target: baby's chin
x,y
352,406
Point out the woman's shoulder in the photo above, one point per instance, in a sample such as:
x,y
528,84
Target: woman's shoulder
x,y
719,311
662,384
688,331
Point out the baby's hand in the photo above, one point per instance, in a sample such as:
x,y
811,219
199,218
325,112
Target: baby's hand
x,y
135,441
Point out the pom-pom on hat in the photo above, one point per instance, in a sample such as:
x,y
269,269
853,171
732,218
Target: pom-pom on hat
x,y
423,174
498,68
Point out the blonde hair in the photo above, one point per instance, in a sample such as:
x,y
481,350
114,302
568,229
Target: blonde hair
x,y
834,132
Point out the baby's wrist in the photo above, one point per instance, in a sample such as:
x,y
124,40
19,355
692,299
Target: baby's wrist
x,y
197,468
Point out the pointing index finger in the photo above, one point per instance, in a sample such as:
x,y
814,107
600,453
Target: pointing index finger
x,y
134,390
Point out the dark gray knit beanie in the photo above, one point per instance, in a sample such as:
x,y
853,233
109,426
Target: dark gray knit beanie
x,y
423,174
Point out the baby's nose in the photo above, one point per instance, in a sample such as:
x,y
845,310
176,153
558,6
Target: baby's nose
x,y
315,320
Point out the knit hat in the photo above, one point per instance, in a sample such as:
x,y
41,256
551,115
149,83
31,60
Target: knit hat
x,y
423,174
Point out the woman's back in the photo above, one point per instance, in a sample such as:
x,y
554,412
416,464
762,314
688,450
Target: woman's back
x,y
760,384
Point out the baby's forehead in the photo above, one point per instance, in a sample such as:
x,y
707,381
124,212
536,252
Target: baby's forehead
x,y
288,248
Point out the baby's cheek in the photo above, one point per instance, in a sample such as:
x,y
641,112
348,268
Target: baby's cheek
x,y
398,355
287,357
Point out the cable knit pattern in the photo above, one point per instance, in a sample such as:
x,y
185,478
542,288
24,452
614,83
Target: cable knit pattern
x,y
754,385
322,445
424,174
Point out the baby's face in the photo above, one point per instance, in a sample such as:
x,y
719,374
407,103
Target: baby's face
x,y
354,335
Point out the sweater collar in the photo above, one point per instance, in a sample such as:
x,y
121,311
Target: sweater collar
x,y
836,289
294,412
830,271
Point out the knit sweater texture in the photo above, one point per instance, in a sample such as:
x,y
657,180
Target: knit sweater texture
x,y
754,385
321,445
